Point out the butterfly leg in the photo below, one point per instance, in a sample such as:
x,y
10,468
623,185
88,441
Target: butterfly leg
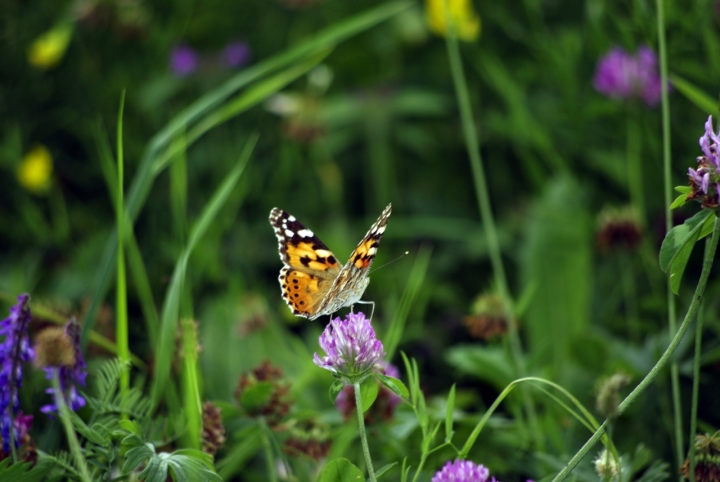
x,y
372,310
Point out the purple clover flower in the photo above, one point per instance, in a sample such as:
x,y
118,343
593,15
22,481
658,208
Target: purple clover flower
x,y
625,76
351,346
705,180
14,350
70,377
236,54
183,60
462,471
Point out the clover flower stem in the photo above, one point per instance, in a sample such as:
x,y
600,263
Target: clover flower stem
x,y
363,435
711,247
64,413
672,314
695,389
473,148
268,450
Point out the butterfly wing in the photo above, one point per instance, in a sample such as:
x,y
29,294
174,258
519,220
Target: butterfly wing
x,y
310,267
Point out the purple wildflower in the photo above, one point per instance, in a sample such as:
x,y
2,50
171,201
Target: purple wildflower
x,y
70,377
236,54
183,60
625,76
351,347
462,471
705,180
14,350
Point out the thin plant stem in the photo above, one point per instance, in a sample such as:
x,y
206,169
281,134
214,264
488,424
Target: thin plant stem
x,y
695,392
634,165
73,442
672,312
664,359
483,198
363,435
121,285
269,460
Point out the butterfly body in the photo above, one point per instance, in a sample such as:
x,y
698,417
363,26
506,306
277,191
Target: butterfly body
x,y
312,280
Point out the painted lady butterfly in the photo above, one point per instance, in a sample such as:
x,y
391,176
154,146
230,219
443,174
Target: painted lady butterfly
x,y
313,282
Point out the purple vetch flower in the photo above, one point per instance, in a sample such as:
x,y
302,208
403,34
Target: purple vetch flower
x,y
70,376
625,76
351,346
462,471
236,54
183,60
14,350
705,180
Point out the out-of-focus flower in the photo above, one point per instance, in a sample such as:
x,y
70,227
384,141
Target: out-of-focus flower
x,y
465,21
608,395
618,229
707,459
705,180
27,451
488,317
309,438
351,347
183,60
14,350
236,54
302,115
264,393
35,170
625,76
213,432
49,48
384,406
606,466
462,471
59,349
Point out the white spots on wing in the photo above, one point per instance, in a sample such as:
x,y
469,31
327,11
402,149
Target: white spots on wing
x,y
306,233
288,233
323,253
291,219
372,251
378,230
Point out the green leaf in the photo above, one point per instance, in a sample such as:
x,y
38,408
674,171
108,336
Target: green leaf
x,y
368,393
130,426
707,227
679,201
24,471
702,100
137,455
335,389
449,414
679,236
95,437
395,385
256,396
683,189
681,258
341,470
383,470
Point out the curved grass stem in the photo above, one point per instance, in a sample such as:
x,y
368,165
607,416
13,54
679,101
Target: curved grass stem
x,y
363,434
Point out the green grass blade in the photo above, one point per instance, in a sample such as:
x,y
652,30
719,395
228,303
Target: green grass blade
x,y
171,307
121,325
703,101
191,386
415,280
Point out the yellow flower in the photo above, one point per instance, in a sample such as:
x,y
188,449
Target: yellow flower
x,y
35,169
465,21
48,49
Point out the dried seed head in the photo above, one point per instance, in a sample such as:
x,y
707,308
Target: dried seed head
x,y
54,348
213,436
608,395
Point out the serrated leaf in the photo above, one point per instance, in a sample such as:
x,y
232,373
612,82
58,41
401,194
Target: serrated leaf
x,y
93,436
335,389
130,426
341,470
449,414
256,396
383,470
368,393
679,236
395,385
679,201
137,455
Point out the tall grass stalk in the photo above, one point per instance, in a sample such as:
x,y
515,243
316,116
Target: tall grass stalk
x,y
473,147
121,287
72,439
695,391
711,247
672,315
363,433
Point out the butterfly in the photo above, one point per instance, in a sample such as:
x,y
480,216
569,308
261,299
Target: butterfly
x,y
313,282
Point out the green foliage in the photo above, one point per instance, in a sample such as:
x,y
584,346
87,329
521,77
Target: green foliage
x,y
24,471
341,470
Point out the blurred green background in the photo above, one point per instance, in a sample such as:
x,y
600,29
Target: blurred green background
x,y
371,120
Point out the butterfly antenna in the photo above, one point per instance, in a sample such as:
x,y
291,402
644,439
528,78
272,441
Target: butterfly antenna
x,y
392,261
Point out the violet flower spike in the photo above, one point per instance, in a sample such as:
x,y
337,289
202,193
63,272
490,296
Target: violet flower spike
x,y
70,377
462,471
236,54
183,60
351,347
14,350
622,75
